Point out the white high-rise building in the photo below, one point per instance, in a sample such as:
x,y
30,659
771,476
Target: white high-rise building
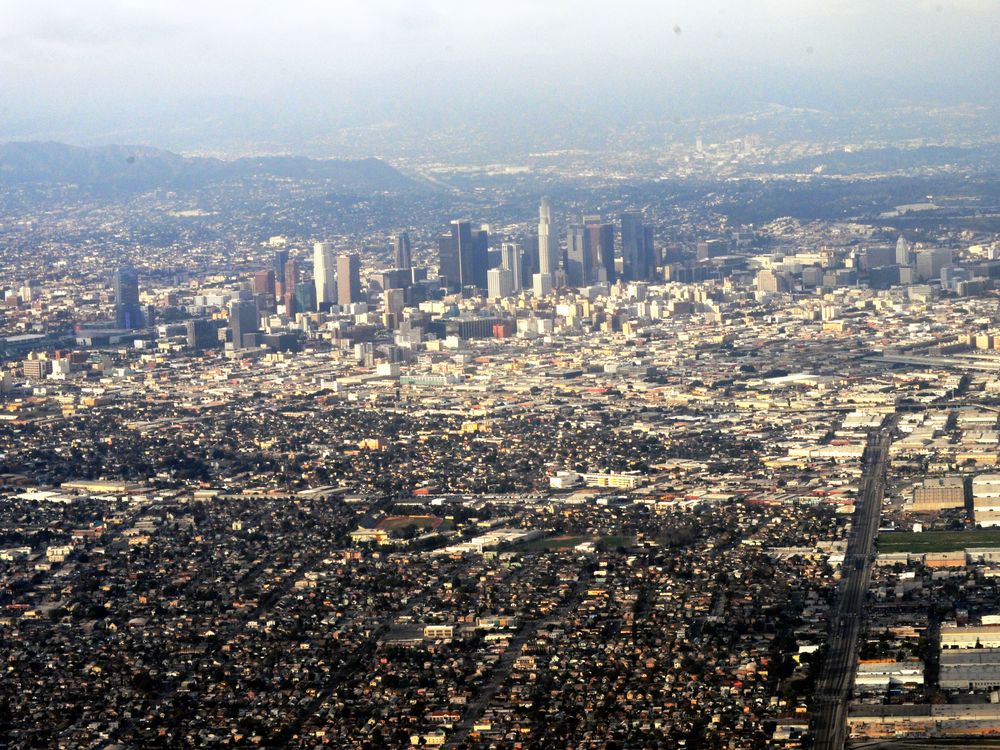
x,y
546,254
500,283
930,261
510,260
324,267
541,285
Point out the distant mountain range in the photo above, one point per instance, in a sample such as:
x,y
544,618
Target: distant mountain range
x,y
132,169
880,160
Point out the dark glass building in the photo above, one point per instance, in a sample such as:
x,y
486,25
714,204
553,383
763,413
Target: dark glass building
x,y
243,321
639,259
280,259
128,313
463,256
402,255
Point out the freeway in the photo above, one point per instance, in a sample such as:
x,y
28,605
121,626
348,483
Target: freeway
x,y
833,689
956,363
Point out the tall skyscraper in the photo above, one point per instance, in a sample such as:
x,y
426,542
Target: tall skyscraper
x,y
462,256
243,321
511,260
291,279
305,297
529,260
601,243
348,280
263,282
632,263
652,256
578,260
479,261
461,235
323,274
402,255
547,261
264,291
638,255
128,313
449,263
280,260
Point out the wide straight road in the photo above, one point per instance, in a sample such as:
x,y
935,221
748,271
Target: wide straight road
x,y
833,689
503,668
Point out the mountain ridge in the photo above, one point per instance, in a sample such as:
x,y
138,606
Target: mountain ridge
x,y
130,168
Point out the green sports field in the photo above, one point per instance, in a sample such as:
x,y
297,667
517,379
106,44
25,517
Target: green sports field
x,y
564,542
938,541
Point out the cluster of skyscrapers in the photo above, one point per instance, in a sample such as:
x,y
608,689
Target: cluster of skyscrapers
x,y
336,280
466,263
589,257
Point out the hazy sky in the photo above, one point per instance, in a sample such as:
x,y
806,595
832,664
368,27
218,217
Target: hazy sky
x,y
77,65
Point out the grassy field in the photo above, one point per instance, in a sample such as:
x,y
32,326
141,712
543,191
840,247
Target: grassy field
x,y
938,541
564,542
398,523
613,542
552,542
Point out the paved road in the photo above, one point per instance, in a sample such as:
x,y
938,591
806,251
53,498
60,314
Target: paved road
x,y
833,689
502,669
957,363
368,648
362,652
